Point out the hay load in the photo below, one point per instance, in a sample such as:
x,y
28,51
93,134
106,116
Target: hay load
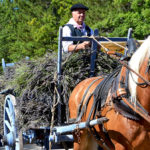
x,y
33,81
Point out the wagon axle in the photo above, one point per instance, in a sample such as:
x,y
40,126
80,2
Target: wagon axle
x,y
61,133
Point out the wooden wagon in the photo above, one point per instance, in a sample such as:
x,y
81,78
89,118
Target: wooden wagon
x,y
13,139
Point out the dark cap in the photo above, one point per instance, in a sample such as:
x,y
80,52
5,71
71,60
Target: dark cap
x,y
78,6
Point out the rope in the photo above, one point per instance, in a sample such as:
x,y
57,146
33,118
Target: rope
x,y
55,103
115,43
123,63
99,43
92,37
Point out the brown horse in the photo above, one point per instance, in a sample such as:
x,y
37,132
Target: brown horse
x,y
121,131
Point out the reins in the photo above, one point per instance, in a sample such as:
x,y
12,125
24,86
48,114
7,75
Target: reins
x,y
129,68
139,109
107,40
123,63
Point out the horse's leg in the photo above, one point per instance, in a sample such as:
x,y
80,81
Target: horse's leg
x,y
84,141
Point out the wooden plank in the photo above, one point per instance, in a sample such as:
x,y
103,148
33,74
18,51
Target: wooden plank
x,y
115,47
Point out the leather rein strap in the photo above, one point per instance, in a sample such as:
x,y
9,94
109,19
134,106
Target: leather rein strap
x,y
139,109
145,81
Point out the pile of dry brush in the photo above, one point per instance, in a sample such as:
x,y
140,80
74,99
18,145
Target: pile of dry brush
x,y
33,83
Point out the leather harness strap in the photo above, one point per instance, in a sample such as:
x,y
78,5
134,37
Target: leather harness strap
x,y
96,107
82,108
145,81
122,93
97,103
139,109
120,88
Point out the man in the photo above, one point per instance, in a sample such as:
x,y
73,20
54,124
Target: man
x,y
76,27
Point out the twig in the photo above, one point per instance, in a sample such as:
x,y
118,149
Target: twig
x,y
53,110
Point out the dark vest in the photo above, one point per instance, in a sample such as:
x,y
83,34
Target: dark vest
x,y
77,32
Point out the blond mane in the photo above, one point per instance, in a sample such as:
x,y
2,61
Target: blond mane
x,y
135,63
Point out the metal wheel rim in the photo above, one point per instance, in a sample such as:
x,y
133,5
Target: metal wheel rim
x,y
10,130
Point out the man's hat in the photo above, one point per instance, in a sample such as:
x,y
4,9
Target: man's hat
x,y
78,6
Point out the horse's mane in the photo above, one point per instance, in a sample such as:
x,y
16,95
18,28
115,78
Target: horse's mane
x,y
135,63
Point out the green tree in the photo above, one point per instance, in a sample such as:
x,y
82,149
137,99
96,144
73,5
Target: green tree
x,y
30,27
114,17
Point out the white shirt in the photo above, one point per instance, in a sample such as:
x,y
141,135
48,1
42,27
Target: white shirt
x,y
67,33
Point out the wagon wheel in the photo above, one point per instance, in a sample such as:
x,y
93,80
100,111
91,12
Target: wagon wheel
x,y
12,139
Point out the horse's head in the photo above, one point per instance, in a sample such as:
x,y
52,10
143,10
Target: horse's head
x,y
139,89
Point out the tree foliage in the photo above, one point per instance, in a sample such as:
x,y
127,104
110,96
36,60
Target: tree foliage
x,y
115,17
27,29
30,27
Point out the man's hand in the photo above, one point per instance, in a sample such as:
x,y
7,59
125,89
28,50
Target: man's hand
x,y
84,45
80,46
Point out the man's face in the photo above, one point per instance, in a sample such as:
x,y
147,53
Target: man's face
x,y
78,15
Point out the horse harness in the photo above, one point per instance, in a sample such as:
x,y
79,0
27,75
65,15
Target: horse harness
x,y
100,95
122,99
117,83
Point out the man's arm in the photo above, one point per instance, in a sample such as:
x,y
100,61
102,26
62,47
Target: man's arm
x,y
77,47
68,46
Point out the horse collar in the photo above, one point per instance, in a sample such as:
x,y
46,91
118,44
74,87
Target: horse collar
x,y
119,91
